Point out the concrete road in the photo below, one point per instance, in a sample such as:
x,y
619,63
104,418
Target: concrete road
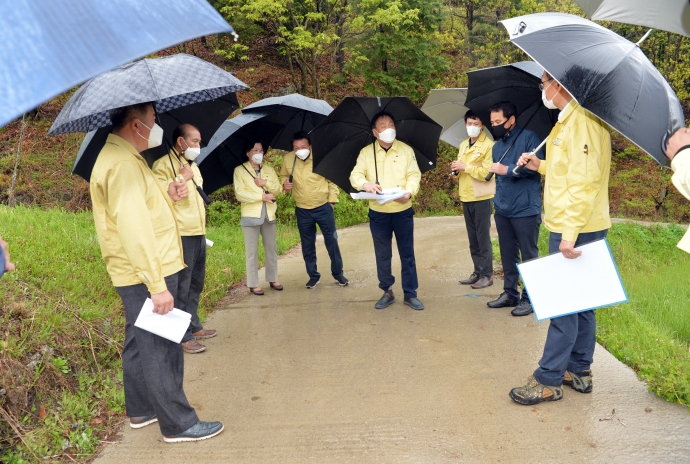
x,y
321,376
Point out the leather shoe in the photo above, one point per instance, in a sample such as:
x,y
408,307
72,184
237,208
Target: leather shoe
x,y
192,346
258,292
414,303
386,300
142,421
503,301
276,287
470,280
483,282
199,431
523,308
205,333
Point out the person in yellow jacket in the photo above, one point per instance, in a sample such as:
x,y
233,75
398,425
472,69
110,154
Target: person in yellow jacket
x,y
576,211
678,151
190,213
141,246
390,163
472,167
256,188
315,199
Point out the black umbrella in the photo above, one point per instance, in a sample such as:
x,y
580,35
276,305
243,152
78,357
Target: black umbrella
x,y
517,83
337,141
608,75
298,113
225,150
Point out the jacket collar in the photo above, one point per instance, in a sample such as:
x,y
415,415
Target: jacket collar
x,y
122,143
568,110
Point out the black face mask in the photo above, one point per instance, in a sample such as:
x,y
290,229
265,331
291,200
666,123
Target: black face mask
x,y
499,131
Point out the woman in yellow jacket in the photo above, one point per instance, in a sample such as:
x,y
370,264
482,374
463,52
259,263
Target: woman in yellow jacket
x,y
256,188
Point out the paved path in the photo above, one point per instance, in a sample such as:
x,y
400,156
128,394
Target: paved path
x,y
321,376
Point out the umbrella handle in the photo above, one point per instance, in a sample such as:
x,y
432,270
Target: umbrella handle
x,y
203,195
518,169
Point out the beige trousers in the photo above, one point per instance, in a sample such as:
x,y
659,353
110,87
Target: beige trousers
x,y
251,250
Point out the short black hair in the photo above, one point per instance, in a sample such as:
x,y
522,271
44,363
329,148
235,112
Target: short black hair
x,y
301,135
506,107
120,117
249,144
380,115
471,115
182,130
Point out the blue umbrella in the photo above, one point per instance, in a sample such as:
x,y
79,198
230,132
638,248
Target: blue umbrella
x,y
50,46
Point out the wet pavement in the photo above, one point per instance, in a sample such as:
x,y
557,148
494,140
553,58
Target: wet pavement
x,y
321,376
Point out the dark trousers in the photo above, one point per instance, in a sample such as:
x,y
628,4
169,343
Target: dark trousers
x,y
478,223
383,226
153,368
190,281
516,237
571,339
307,219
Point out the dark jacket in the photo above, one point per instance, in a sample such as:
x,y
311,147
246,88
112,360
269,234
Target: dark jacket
x,y
517,196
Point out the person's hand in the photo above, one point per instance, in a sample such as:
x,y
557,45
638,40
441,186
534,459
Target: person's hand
x,y
287,185
372,187
333,205
268,197
680,139
177,190
404,199
8,265
457,166
186,172
568,249
259,181
498,168
162,302
530,161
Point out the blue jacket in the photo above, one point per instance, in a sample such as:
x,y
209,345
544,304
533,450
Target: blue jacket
x,y
517,196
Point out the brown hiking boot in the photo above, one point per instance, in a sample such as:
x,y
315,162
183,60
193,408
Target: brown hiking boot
x,y
192,346
535,393
581,382
205,333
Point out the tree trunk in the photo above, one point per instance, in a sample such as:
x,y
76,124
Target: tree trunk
x,y
11,201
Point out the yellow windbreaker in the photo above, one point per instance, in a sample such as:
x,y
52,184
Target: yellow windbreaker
x,y
577,165
681,179
134,219
397,168
250,195
309,189
480,152
190,212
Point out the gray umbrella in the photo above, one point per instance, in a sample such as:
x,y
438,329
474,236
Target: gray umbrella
x,y
447,107
172,82
667,15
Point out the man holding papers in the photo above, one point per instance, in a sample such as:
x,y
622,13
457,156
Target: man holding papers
x,y
141,246
576,207
385,164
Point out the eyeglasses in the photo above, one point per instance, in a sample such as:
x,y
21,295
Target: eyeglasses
x,y
541,84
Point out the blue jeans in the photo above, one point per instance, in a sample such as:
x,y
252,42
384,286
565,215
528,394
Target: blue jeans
x,y
383,226
307,219
571,339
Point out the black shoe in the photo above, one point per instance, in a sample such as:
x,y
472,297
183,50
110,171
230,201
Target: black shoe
x,y
312,283
414,303
503,301
523,308
342,281
143,421
470,280
199,431
386,300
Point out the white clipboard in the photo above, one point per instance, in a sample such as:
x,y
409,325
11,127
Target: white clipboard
x,y
558,286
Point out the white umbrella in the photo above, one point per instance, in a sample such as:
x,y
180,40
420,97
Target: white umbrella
x,y
667,15
447,108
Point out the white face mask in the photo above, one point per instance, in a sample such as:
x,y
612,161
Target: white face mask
x,y
155,135
387,136
302,154
473,131
191,153
548,103
258,158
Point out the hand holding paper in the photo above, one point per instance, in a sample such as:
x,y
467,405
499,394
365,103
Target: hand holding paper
x,y
171,326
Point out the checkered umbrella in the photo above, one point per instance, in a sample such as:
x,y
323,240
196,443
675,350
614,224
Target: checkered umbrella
x,y
171,82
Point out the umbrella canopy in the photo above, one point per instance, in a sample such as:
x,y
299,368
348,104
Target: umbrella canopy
x,y
224,152
667,15
608,75
337,141
447,108
49,46
518,83
172,82
299,113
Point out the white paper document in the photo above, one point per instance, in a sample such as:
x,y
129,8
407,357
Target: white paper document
x,y
386,195
558,286
172,325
